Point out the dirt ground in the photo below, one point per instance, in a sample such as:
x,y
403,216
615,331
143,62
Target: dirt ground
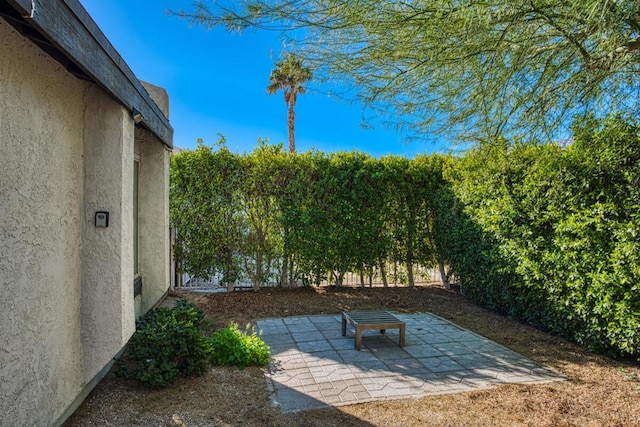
x,y
599,392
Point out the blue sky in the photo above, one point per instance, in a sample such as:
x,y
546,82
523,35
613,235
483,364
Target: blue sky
x,y
216,83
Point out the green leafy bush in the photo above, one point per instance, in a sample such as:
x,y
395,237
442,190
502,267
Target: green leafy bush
x,y
557,233
546,233
168,343
231,346
275,217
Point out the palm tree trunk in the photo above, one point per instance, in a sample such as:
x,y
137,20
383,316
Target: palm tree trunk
x,y
291,117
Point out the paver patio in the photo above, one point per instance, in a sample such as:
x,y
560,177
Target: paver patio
x,y
314,366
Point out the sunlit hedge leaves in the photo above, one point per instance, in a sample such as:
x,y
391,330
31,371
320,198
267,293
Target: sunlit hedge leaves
x,y
558,237
545,233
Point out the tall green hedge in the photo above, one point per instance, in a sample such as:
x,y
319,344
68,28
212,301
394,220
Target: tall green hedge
x,y
205,208
545,233
270,216
554,233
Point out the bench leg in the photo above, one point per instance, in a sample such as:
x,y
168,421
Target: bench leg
x,y
402,336
358,337
382,331
344,326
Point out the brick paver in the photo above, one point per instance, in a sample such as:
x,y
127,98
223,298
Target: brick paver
x,y
314,366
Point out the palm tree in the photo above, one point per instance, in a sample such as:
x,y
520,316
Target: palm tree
x,y
289,75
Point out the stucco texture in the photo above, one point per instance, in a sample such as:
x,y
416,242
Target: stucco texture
x,y
40,232
153,244
107,275
68,305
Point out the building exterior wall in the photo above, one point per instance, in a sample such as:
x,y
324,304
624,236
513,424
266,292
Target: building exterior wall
x,y
107,280
159,96
154,245
68,305
40,232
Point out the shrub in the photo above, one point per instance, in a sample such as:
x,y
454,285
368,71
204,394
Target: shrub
x,y
168,343
557,241
231,346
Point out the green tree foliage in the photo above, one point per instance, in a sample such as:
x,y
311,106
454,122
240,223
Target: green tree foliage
x,y
544,233
352,204
289,76
477,68
408,212
207,213
310,215
307,219
445,221
557,233
262,246
330,214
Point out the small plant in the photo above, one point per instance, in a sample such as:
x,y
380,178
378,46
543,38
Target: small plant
x,y
231,346
168,343
630,376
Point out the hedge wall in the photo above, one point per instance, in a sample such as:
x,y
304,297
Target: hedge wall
x,y
554,233
544,233
274,216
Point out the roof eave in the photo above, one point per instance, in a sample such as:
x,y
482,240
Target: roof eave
x,y
70,31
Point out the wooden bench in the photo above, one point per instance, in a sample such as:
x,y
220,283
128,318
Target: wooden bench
x,y
367,320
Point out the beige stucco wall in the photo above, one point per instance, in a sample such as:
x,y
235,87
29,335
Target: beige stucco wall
x,y
107,279
68,306
153,222
40,233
